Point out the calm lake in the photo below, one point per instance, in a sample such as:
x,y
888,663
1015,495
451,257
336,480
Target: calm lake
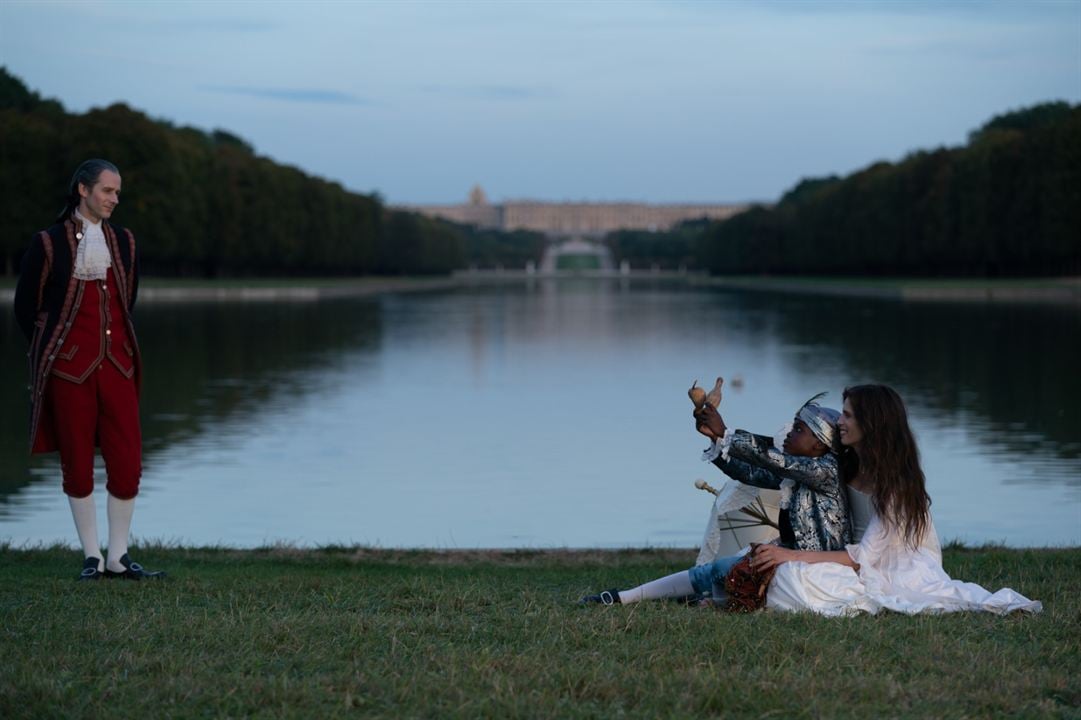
x,y
553,413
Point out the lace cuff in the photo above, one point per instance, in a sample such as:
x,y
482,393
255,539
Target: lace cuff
x,y
719,448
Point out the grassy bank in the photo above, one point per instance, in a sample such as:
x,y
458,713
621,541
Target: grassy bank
x,y
1056,290
261,289
153,289
348,632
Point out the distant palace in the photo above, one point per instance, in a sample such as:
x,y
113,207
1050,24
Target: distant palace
x,y
572,218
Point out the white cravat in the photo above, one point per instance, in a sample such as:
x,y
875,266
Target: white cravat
x,y
92,260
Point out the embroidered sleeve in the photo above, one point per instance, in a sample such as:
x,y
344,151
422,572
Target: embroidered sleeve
x,y
821,474
748,474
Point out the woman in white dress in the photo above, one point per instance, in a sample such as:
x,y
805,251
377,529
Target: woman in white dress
x,y
897,564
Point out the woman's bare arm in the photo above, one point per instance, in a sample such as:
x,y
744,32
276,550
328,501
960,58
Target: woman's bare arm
x,y
768,556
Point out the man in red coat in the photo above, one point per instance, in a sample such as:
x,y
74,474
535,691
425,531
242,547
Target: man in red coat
x,y
73,302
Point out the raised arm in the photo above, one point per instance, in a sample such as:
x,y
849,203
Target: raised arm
x,y
748,474
821,474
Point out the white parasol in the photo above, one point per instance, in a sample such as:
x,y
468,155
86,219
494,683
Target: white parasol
x,y
741,515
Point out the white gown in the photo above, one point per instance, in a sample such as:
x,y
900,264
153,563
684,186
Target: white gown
x,y
892,576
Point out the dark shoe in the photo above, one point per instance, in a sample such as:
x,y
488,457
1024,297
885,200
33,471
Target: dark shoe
x,y
133,571
605,597
90,570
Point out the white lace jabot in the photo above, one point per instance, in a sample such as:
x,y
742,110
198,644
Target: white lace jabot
x,y
92,260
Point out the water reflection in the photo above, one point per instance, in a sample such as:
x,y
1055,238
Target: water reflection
x,y
241,357
553,413
206,366
1008,373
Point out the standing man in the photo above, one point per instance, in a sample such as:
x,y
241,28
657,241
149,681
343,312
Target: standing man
x,y
73,302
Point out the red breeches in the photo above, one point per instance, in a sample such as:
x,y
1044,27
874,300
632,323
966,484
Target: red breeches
x,y
102,410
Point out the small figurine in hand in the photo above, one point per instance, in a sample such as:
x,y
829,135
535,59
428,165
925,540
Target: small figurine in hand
x,y
707,419
700,397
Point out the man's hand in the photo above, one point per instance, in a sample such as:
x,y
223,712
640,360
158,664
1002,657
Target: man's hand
x,y
709,422
767,556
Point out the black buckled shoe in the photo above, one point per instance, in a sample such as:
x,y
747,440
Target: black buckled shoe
x,y
133,571
605,597
90,570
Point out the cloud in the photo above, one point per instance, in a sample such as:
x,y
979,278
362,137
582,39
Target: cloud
x,y
989,48
490,92
228,25
297,95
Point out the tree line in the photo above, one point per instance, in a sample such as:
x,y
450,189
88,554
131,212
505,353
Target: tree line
x,y
678,248
205,204
1008,203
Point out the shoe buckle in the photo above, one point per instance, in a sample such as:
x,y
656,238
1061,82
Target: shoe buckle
x,y
135,567
88,572
606,598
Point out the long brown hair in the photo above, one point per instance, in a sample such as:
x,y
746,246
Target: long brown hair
x,y
889,459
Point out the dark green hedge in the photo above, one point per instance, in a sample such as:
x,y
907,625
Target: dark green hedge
x,y
204,204
1006,204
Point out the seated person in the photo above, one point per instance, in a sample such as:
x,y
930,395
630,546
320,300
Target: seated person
x,y
897,565
814,503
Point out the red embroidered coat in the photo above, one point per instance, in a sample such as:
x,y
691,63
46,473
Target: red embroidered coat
x,y
47,301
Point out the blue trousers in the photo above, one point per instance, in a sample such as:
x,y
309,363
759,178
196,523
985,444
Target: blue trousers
x,y
703,577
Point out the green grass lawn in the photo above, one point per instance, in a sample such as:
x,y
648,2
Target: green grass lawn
x,y
283,282
896,287
898,282
578,262
1059,290
358,632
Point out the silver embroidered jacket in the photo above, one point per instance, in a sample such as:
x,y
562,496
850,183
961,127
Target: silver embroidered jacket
x,y
818,507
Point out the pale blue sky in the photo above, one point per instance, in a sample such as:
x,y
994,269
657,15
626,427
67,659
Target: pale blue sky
x,y
652,101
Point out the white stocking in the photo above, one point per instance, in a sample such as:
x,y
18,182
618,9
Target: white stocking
x,y
120,512
86,524
676,585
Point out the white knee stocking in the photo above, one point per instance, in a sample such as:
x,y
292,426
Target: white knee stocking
x,y
86,525
120,512
671,586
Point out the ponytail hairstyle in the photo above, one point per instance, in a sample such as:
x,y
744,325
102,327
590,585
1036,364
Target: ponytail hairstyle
x,y
86,174
889,459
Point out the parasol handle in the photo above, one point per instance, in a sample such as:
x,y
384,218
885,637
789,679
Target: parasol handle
x,y
703,485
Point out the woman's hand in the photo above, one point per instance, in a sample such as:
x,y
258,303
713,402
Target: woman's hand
x,y
709,422
768,556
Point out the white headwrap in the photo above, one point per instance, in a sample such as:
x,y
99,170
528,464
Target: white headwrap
x,y
821,421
